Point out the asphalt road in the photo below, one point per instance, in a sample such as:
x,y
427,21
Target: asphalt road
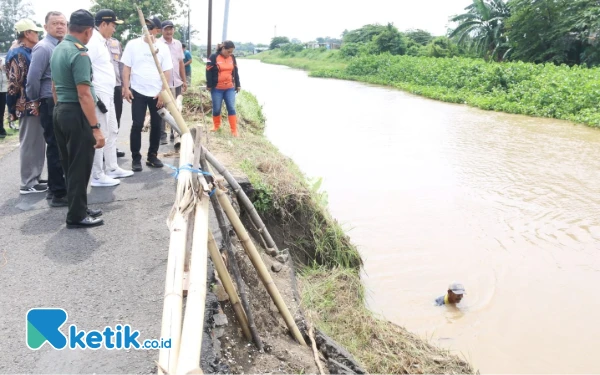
x,y
103,276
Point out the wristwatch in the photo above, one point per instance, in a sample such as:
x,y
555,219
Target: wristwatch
x,y
97,126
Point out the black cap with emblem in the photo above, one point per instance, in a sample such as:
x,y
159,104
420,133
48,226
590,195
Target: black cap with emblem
x,y
107,15
153,23
82,17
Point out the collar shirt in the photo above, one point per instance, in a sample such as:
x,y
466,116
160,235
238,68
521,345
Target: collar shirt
x,y
104,79
39,76
176,50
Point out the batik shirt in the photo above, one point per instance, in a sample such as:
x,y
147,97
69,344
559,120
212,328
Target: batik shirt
x,y
17,67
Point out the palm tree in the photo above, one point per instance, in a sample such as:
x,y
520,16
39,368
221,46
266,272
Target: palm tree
x,y
483,25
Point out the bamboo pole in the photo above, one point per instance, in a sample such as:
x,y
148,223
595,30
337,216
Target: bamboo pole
x,y
245,201
173,300
233,261
215,255
178,224
258,263
191,337
165,94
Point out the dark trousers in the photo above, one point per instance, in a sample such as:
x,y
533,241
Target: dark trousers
x,y
56,179
76,147
118,104
2,108
138,114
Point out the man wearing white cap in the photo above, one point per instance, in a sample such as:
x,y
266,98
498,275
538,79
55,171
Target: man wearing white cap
x,y
104,83
453,296
31,133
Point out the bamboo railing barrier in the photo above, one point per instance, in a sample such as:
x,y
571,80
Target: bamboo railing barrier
x,y
245,201
233,261
259,265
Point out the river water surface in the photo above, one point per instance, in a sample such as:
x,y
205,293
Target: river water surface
x,y
433,192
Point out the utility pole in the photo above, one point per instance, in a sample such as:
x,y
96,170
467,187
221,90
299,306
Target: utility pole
x,y
275,32
189,33
225,21
208,42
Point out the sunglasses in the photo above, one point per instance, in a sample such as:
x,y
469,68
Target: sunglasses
x,y
150,27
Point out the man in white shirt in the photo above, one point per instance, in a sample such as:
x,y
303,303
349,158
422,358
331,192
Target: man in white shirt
x,y
104,81
141,87
177,83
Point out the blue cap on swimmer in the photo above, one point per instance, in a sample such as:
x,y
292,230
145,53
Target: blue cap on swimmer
x,y
457,288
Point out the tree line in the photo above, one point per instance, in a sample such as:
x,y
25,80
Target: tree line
x,y
536,31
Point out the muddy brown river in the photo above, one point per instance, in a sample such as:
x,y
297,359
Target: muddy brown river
x,y
432,192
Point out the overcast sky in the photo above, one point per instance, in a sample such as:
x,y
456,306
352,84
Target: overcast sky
x,y
258,21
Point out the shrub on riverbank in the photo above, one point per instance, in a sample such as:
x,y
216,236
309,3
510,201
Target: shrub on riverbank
x,y
543,90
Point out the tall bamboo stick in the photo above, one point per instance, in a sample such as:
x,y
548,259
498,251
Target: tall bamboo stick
x,y
258,263
245,201
173,303
215,255
191,336
233,261
173,300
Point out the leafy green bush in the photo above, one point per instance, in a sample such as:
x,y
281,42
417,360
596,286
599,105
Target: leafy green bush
x,y
563,92
291,49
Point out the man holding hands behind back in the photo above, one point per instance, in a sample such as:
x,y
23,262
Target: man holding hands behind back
x,y
77,129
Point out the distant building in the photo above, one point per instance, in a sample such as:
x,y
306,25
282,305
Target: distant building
x,y
323,45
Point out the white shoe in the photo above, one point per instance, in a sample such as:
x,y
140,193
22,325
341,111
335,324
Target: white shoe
x,y
104,181
119,173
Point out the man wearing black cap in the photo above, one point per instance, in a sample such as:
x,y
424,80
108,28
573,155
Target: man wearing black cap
x,y
105,170
77,129
141,87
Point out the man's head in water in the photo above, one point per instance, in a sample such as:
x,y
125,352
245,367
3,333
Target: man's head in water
x,y
455,293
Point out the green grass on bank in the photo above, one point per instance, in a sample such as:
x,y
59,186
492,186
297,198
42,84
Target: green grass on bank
x,y
543,90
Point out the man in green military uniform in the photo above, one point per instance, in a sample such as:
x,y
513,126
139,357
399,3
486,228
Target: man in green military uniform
x,y
77,129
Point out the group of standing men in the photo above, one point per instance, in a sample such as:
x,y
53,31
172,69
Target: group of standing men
x,y
67,92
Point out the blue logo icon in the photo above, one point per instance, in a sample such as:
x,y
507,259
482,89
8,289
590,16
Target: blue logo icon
x,y
44,325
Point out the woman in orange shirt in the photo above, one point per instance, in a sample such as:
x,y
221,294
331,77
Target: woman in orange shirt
x,y
223,82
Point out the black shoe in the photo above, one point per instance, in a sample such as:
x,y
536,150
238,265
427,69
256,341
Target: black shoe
x,y
94,213
59,202
136,166
120,154
39,188
43,182
153,161
49,195
88,222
